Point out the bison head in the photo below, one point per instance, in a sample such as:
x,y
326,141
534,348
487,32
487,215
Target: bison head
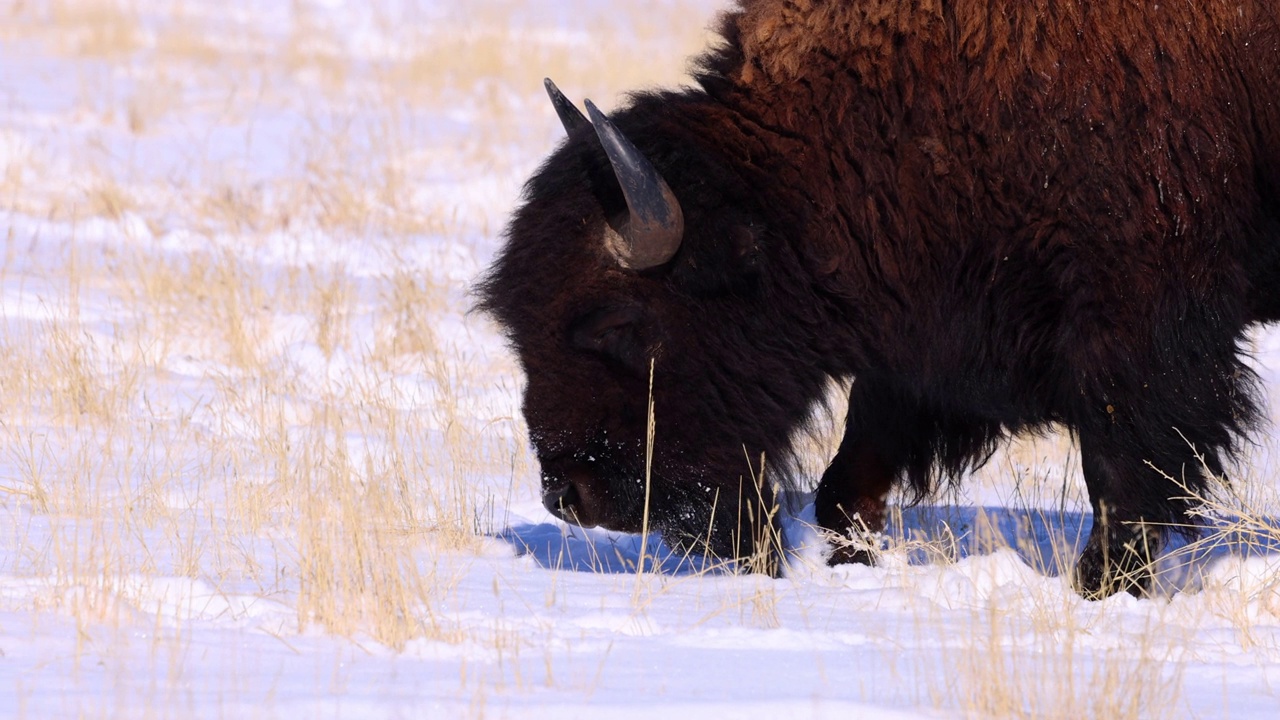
x,y
647,262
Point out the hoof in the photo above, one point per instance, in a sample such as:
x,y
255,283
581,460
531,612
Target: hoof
x,y
1101,573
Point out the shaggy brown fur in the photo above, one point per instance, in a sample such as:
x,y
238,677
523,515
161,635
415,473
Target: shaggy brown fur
x,y
994,215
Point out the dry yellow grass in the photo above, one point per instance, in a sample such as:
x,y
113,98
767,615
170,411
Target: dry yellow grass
x,y
326,469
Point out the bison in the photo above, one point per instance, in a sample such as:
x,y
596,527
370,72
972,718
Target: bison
x,y
991,216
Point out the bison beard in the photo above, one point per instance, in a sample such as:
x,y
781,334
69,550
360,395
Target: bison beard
x,y
993,217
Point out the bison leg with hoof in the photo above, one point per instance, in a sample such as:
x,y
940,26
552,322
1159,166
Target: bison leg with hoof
x,y
891,434
850,502
1119,554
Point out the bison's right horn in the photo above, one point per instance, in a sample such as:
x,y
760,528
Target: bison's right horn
x,y
654,227
570,117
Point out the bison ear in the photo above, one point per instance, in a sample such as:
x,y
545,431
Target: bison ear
x,y
733,264
614,332
744,248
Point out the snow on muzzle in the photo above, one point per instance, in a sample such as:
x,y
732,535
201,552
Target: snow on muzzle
x,y
575,491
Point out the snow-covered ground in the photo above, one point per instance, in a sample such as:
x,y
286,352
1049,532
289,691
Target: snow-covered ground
x,y
258,460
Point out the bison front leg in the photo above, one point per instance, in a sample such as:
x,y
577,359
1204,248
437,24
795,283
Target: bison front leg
x,y
850,502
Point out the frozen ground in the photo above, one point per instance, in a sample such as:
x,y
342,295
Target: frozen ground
x,y
257,460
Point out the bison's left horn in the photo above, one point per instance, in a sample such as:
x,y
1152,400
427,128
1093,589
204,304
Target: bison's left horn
x,y
651,233
570,117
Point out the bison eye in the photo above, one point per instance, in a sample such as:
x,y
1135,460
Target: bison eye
x,y
613,332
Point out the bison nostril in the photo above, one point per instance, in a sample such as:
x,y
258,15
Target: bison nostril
x,y
570,492
560,501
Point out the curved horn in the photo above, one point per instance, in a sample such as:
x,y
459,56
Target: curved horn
x,y
570,116
651,234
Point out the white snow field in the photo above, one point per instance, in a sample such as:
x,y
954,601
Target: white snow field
x,y
257,459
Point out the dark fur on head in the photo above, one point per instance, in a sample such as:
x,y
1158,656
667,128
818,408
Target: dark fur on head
x,y
586,330
994,215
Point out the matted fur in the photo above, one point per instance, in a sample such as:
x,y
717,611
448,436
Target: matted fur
x,y
993,215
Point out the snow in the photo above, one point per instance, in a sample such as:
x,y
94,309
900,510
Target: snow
x,y
258,459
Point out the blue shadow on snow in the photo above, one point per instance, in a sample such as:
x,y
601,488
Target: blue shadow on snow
x,y
1047,540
